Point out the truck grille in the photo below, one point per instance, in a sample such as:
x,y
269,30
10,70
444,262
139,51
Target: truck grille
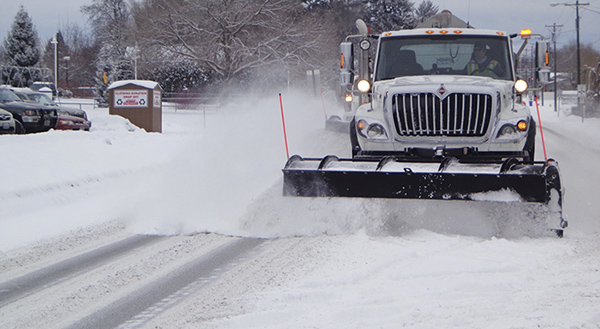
x,y
456,115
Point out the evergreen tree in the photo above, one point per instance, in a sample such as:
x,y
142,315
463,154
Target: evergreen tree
x,y
339,15
315,4
385,15
380,15
425,10
176,76
3,56
21,44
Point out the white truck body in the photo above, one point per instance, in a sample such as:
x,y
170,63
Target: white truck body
x,y
428,103
442,119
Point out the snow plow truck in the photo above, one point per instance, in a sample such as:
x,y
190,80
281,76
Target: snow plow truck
x,y
442,119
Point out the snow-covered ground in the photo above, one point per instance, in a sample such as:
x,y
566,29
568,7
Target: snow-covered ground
x,y
220,171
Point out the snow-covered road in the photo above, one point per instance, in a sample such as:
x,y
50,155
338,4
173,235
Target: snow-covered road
x,y
210,181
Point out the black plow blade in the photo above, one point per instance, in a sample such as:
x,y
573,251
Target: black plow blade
x,y
509,181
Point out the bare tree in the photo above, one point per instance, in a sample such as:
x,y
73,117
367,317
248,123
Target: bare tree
x,y
590,58
82,52
231,37
111,21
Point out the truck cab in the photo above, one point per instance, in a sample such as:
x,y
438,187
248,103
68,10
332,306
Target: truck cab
x,y
439,92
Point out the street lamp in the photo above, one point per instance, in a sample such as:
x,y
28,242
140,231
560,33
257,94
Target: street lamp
x,y
55,43
576,5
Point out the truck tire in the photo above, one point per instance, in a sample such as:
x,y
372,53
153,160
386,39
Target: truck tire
x,y
19,127
354,139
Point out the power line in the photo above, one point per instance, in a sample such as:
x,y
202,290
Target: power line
x,y
576,5
594,11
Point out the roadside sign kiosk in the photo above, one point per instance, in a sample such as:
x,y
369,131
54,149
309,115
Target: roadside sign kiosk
x,y
140,101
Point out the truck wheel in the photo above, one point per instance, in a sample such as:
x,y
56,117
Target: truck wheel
x,y
19,127
354,139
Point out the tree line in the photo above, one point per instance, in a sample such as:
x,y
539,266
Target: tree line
x,y
190,45
202,45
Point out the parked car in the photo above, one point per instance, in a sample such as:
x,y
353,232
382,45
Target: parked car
x,y
27,94
70,122
7,122
29,117
36,86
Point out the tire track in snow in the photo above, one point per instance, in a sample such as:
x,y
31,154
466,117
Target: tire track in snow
x,y
577,158
140,306
25,285
76,182
572,141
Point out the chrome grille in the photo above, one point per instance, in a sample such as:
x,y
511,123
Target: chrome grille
x,y
456,115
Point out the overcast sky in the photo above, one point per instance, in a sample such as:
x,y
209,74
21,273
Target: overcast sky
x,y
48,16
505,15
513,15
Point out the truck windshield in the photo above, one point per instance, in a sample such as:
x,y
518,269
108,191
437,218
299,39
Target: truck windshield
x,y
448,55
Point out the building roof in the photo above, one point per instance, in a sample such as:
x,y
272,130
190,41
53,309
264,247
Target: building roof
x,y
141,83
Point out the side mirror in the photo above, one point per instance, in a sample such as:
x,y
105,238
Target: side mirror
x,y
346,63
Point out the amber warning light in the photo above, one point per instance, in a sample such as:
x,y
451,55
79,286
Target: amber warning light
x,y
525,33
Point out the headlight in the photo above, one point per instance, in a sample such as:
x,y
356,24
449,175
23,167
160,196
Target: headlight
x,y
364,86
371,131
511,131
507,129
348,98
520,86
30,119
66,122
376,131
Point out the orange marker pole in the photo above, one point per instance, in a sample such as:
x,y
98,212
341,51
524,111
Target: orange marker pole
x,y
287,152
323,102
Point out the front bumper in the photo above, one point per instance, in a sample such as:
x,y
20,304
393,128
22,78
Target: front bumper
x,y
7,127
44,123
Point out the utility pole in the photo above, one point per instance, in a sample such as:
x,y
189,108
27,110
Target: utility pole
x,y
554,26
576,5
578,47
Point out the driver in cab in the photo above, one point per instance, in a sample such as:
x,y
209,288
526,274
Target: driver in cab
x,y
483,65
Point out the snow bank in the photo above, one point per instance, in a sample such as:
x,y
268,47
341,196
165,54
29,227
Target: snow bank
x,y
220,171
